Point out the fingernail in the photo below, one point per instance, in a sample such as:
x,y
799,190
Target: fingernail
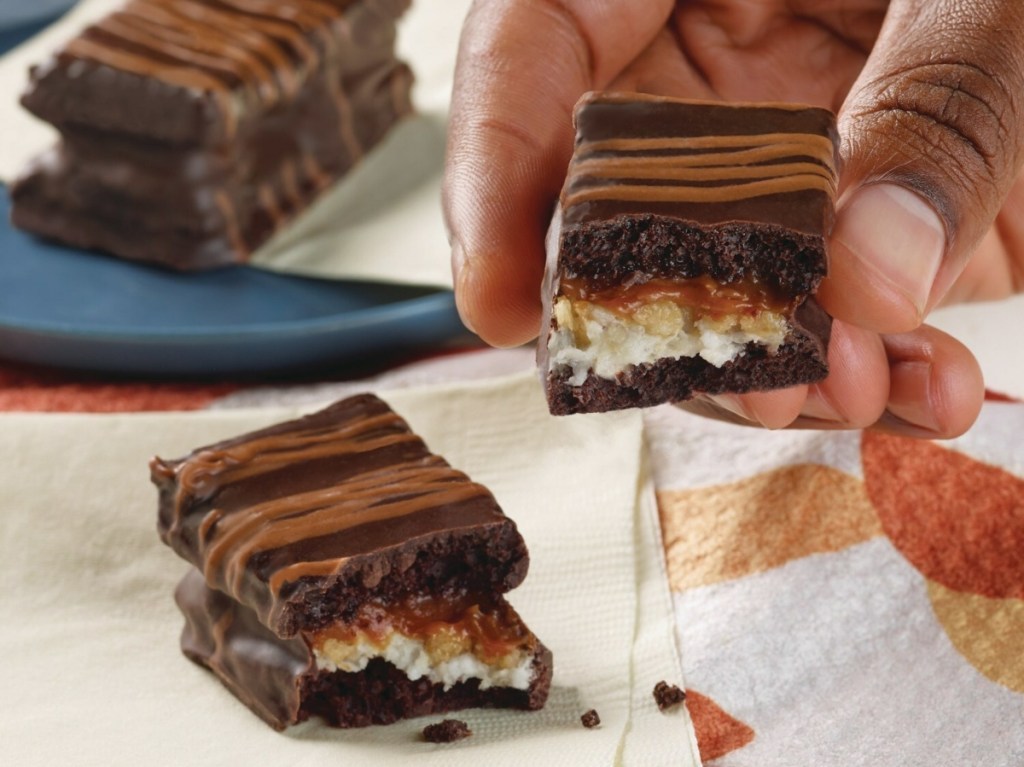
x,y
896,235
461,284
820,409
458,260
908,395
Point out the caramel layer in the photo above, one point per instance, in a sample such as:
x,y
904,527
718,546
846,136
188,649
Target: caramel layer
x,y
703,296
447,626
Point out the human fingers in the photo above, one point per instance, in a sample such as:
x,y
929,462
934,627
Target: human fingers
x,y
522,65
853,396
933,132
936,387
923,383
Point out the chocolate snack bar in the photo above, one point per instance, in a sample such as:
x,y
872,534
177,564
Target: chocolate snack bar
x,y
342,570
690,239
192,130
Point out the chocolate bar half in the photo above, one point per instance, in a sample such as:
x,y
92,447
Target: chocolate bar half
x,y
342,570
688,244
192,130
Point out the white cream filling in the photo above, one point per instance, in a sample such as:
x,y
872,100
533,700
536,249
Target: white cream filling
x,y
587,338
411,656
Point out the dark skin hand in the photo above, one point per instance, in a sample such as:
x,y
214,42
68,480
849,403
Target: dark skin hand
x,y
930,100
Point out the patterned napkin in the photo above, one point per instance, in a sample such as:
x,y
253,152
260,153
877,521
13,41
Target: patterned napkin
x,y
847,598
381,223
89,631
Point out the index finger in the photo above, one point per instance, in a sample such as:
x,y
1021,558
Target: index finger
x,y
522,66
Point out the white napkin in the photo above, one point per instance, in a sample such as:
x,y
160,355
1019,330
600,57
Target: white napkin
x,y
89,633
382,222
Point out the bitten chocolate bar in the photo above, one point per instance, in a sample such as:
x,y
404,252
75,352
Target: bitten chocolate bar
x,y
344,571
690,239
192,130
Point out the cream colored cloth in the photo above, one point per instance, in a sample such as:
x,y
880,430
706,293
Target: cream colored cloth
x,y
92,672
382,222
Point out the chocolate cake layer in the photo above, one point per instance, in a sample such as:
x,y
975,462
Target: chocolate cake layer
x,y
305,521
689,239
280,681
193,129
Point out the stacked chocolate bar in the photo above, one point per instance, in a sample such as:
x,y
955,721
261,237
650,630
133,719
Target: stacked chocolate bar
x,y
191,130
691,238
342,570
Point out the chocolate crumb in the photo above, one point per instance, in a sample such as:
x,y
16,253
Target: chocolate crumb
x,y
446,731
590,719
667,695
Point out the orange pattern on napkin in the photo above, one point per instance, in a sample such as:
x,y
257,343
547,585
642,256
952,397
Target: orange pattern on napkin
x,y
989,633
959,521
723,532
30,390
718,733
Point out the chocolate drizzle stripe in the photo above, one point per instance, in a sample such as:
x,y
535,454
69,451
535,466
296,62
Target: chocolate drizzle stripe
x,y
185,42
210,48
623,97
713,157
160,42
664,169
313,170
431,499
371,497
306,14
191,79
267,37
231,528
280,521
704,194
813,145
207,470
269,202
130,62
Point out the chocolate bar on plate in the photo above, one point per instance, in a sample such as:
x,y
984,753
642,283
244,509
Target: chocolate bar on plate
x,y
689,242
192,130
342,570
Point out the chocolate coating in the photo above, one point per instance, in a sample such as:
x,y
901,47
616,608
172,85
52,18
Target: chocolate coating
x,y
303,521
278,680
714,139
193,129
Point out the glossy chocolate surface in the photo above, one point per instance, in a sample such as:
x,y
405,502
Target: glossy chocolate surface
x,y
304,521
704,162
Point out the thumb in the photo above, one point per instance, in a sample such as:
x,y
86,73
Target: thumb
x,y
932,140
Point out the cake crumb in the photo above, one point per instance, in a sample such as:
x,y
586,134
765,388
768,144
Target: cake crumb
x,y
590,719
668,695
446,731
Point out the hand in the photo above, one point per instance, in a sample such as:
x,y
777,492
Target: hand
x,y
930,99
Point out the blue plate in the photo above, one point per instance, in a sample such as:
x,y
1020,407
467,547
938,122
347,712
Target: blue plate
x,y
72,309
20,19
